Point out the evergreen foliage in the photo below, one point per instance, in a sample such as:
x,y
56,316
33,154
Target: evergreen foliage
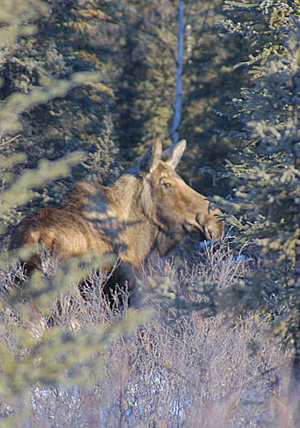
x,y
266,176
29,354
146,90
133,47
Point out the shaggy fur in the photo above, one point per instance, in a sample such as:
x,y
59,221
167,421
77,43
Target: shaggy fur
x,y
149,207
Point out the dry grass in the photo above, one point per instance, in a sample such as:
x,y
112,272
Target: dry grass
x,y
179,369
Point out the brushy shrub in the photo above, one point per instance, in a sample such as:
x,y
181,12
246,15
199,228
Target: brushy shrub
x,y
181,367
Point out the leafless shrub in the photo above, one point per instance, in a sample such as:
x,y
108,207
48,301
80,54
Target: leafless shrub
x,y
181,369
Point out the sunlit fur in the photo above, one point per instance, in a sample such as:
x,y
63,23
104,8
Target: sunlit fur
x,y
149,207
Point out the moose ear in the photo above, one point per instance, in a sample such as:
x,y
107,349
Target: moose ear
x,y
149,161
173,155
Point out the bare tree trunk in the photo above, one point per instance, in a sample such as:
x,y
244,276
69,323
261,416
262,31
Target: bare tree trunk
x,y
179,69
294,385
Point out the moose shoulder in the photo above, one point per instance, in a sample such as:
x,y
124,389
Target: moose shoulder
x,y
149,207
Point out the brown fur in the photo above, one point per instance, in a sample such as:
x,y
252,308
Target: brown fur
x,y
149,207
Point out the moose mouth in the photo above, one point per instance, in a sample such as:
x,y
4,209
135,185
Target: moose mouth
x,y
204,229
198,229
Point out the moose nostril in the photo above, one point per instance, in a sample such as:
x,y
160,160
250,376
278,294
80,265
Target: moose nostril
x,y
198,219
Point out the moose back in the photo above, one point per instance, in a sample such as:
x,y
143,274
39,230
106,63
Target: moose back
x,y
149,207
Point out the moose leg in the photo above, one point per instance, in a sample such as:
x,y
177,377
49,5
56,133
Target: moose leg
x,y
122,281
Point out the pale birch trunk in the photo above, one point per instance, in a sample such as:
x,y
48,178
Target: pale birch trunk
x,y
179,70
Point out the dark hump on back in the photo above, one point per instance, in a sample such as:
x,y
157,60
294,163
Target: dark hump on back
x,y
81,195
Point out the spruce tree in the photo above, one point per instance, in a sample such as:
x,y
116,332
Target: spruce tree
x,y
30,355
267,171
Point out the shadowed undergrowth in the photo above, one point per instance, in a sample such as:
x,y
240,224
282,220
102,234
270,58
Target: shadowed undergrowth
x,y
183,364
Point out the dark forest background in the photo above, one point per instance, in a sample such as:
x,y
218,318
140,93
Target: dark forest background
x,y
133,48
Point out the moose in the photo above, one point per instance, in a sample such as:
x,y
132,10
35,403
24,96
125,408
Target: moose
x,y
149,207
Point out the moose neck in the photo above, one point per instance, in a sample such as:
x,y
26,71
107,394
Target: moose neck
x,y
130,197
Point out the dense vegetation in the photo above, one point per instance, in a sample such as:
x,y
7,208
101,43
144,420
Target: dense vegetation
x,y
85,86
